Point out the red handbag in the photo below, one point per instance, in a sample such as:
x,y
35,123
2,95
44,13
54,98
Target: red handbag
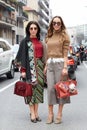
x,y
22,88
66,88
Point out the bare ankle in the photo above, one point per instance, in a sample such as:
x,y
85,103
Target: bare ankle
x,y
50,114
33,116
59,116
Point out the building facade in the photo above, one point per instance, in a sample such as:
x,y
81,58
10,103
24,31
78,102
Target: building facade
x,y
78,31
39,10
21,16
44,16
7,20
11,20
82,29
15,14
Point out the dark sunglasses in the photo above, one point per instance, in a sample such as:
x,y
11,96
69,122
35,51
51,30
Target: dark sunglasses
x,y
35,28
56,23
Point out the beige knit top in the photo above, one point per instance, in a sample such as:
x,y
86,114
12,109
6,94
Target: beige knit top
x,y
58,45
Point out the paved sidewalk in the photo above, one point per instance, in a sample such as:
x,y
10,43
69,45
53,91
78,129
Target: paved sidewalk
x,y
14,114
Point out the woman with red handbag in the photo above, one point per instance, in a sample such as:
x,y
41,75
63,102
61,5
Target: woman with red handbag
x,y
57,41
30,58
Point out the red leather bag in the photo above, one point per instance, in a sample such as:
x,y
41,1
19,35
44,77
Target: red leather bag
x,y
66,88
22,88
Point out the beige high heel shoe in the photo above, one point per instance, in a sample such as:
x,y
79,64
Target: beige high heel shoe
x,y
50,119
58,120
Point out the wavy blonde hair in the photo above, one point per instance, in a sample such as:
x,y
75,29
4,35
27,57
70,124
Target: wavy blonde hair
x,y
50,28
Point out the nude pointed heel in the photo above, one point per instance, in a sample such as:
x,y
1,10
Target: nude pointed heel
x,y
58,120
50,119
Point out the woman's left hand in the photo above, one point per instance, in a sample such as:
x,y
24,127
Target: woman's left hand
x,y
45,70
64,71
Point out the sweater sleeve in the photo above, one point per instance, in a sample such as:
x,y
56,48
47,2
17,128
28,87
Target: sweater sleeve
x,y
22,69
66,45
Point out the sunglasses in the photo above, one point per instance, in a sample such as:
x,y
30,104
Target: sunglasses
x,y
33,28
56,23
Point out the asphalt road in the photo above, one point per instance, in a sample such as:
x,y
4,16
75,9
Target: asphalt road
x,y
14,114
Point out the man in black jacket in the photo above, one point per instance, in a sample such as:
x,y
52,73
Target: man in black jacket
x,y
81,50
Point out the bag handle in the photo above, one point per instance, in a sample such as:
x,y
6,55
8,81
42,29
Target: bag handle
x,y
64,77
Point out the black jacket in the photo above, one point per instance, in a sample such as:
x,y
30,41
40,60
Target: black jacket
x,y
22,57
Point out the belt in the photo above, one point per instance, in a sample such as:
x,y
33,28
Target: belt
x,y
54,60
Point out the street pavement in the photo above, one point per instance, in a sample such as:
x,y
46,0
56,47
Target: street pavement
x,y
14,114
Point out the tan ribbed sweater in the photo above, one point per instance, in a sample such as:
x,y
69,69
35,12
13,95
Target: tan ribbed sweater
x,y
58,45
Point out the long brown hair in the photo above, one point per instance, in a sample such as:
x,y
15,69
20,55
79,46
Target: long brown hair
x,y
50,28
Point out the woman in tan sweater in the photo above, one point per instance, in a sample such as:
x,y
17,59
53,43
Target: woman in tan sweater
x,y
57,41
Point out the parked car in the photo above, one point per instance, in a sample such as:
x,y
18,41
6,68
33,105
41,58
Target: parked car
x,y
15,49
6,59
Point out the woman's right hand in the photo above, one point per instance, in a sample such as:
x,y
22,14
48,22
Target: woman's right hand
x,y
23,74
64,71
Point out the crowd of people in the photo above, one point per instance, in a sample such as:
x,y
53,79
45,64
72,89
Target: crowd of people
x,y
80,52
